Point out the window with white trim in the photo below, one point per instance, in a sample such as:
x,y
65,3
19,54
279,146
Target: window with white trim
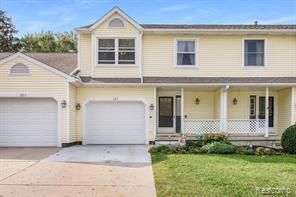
x,y
19,69
254,52
116,51
186,52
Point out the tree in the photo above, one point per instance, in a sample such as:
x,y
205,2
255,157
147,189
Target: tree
x,y
66,42
8,41
49,42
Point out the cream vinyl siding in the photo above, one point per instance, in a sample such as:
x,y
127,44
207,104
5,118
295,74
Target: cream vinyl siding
x,y
84,94
217,100
85,54
284,106
218,54
72,114
39,81
205,109
104,29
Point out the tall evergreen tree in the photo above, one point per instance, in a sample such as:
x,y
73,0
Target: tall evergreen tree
x,y
8,41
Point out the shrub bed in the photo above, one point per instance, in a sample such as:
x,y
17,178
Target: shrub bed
x,y
215,144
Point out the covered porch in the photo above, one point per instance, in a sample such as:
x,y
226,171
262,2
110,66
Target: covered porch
x,y
235,110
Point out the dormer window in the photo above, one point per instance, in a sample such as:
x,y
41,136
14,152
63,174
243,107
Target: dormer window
x,y
19,69
116,22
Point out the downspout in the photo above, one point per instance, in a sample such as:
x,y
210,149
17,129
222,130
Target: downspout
x,y
140,58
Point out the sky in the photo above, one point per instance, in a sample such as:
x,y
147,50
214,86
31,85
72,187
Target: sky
x,y
31,16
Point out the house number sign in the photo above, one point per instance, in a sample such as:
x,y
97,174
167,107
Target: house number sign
x,y
115,98
23,94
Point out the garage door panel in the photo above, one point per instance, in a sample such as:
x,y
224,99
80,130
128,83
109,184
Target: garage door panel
x,y
31,141
105,139
115,123
28,122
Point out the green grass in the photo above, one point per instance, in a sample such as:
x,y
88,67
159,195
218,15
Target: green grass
x,y
222,175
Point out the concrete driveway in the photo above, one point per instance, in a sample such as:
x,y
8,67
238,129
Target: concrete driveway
x,y
77,171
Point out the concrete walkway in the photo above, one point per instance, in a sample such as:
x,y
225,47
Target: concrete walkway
x,y
77,171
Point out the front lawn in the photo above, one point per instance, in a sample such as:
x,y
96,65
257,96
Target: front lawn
x,y
223,175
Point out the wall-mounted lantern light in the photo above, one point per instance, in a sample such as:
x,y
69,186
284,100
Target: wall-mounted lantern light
x,y
63,103
197,101
151,107
78,106
234,101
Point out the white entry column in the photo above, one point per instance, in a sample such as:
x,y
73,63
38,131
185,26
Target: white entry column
x,y
266,133
223,109
182,111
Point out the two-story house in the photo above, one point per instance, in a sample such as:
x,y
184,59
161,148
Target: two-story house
x,y
135,83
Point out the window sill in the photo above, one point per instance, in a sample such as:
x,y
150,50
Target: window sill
x,y
254,67
116,66
20,74
186,66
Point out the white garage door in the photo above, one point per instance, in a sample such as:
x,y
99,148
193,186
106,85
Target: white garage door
x,y
28,122
115,123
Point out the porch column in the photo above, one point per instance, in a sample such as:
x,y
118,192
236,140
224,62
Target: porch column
x,y
266,133
182,111
223,109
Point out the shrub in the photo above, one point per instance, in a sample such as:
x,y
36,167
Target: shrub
x,y
161,149
266,151
214,137
153,149
206,147
197,143
244,150
222,148
289,140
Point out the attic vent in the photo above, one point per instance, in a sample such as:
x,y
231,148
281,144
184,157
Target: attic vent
x,y
116,22
19,69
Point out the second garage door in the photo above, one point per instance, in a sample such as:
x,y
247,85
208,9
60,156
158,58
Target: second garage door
x,y
115,123
28,122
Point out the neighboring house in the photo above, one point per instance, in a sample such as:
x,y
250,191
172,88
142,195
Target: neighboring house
x,y
132,83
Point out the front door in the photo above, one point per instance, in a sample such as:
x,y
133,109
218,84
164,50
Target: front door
x,y
166,114
261,114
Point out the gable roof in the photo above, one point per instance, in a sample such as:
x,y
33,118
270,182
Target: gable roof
x,y
190,27
63,62
106,16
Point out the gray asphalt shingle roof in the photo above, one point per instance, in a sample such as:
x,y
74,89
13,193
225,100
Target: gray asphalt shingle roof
x,y
64,62
214,27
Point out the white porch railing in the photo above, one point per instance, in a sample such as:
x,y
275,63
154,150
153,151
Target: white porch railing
x,y
201,126
234,126
246,126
